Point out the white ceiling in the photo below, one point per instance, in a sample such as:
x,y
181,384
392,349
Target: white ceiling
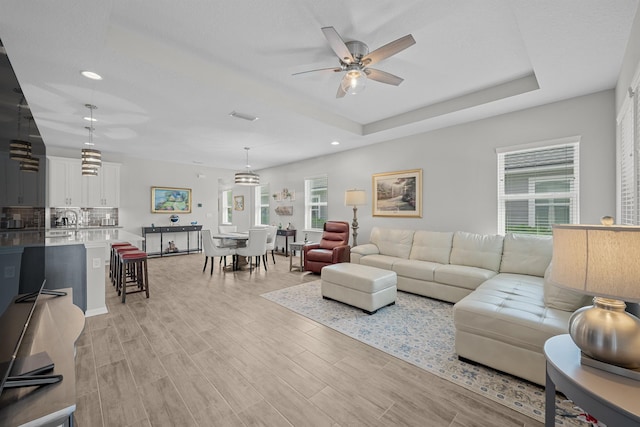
x,y
174,70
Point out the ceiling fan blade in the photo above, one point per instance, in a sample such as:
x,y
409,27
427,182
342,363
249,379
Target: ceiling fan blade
x,y
334,69
337,44
341,93
383,76
388,50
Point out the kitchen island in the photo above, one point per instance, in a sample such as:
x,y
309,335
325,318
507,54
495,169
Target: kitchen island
x,y
72,258
80,257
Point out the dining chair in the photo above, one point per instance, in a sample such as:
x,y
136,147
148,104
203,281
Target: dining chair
x,y
227,243
271,243
256,246
227,229
211,250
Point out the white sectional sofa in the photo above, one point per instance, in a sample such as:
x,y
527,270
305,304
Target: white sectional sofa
x,y
504,310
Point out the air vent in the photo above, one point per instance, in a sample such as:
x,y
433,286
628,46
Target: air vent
x,y
243,116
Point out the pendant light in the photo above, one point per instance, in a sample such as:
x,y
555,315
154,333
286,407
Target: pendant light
x,y
91,158
19,149
30,164
248,177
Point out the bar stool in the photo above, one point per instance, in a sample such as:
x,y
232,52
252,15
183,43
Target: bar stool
x,y
117,264
133,272
112,258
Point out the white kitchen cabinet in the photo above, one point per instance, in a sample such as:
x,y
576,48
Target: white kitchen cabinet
x,y
65,182
21,188
102,190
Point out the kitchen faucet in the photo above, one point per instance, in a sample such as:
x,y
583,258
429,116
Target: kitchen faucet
x,y
75,215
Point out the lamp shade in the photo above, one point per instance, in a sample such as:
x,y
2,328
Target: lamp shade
x,y
354,198
597,260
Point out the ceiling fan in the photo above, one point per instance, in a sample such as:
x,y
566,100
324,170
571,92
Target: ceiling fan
x,y
355,59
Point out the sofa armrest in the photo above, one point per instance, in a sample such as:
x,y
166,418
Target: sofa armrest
x,y
366,249
341,254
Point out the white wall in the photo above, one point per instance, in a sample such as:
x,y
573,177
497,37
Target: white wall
x,y
630,64
460,168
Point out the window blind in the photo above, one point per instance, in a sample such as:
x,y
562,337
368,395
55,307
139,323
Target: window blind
x,y
538,187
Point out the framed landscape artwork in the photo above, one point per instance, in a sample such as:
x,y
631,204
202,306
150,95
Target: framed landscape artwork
x,y
170,200
398,194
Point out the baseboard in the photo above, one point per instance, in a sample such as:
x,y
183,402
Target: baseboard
x,y
96,311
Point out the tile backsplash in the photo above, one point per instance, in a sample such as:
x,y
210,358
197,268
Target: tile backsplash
x,y
89,217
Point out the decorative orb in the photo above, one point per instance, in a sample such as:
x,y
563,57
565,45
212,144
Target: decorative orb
x,y
606,332
606,220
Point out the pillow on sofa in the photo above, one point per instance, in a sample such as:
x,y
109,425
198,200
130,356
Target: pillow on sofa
x,y
526,254
434,246
392,242
477,250
561,298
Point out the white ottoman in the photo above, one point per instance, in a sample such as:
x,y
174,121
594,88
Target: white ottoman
x,y
368,288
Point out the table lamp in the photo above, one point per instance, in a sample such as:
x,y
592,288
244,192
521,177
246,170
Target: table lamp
x,y
354,198
603,261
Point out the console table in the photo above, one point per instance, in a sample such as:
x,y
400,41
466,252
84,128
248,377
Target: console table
x,y
286,234
610,398
172,229
55,326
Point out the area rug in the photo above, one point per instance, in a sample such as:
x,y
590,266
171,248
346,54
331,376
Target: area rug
x,y
420,331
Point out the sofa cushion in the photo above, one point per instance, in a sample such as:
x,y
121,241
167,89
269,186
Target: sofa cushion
x,y
477,250
380,261
561,298
462,276
391,242
434,246
415,269
510,308
526,254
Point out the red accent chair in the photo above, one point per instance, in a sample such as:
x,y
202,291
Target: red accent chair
x,y
332,249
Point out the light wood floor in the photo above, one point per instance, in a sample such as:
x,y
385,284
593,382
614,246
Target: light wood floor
x,y
207,350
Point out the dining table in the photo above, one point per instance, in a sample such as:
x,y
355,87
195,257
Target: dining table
x,y
234,239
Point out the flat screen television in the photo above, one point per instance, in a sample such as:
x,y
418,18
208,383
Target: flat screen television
x,y
22,241
14,322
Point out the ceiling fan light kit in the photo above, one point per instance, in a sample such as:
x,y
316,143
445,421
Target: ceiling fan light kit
x,y
355,59
354,81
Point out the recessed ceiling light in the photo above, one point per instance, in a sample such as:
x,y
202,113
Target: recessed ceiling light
x,y
90,119
89,143
91,75
335,143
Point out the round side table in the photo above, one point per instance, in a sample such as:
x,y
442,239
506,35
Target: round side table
x,y
610,398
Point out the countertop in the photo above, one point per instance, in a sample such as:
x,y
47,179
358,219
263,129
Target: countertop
x,y
68,237
100,235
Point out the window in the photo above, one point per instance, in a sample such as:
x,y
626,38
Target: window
x,y
227,206
262,205
538,186
315,203
628,170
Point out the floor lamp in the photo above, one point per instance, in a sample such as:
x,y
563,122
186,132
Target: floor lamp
x,y
354,198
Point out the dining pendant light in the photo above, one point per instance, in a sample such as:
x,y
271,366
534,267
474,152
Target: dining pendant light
x,y
91,158
248,177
